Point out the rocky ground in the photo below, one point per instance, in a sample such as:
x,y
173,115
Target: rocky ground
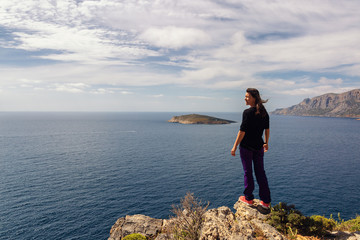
x,y
218,224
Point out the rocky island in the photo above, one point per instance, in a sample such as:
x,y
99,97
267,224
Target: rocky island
x,y
328,105
198,119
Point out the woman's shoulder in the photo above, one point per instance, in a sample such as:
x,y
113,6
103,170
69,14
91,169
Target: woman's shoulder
x,y
250,110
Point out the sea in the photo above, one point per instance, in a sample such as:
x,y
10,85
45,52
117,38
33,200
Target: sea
x,y
72,175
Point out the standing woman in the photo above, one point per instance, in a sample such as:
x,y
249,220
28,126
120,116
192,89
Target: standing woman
x,y
252,147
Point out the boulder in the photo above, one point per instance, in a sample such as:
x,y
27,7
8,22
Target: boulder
x,y
150,227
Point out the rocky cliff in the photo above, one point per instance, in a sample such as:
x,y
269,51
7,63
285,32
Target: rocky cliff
x,y
328,105
198,119
221,223
218,224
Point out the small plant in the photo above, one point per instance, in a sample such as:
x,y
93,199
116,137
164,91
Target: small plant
x,y
135,236
188,218
292,234
328,224
284,216
288,220
351,225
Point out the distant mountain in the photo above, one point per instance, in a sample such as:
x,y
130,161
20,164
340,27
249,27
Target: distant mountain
x,y
198,119
328,105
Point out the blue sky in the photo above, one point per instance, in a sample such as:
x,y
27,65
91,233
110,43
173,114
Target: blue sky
x,y
178,56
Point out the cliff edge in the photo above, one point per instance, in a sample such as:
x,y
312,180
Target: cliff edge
x,y
219,223
328,105
248,222
198,119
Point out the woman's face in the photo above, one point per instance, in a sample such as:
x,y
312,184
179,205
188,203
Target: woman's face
x,y
249,100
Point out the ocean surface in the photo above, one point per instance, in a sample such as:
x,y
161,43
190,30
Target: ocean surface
x,y
72,175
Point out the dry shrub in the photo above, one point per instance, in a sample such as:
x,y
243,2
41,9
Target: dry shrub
x,y
186,224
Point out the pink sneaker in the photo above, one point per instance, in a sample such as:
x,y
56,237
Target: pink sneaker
x,y
247,202
265,205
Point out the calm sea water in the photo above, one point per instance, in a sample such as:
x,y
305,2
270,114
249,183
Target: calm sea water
x,y
71,175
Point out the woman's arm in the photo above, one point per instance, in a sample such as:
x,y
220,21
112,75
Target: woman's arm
x,y
267,136
238,140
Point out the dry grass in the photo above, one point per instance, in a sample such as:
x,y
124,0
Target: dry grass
x,y
186,223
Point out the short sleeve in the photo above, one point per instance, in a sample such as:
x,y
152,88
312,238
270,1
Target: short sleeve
x,y
245,122
266,122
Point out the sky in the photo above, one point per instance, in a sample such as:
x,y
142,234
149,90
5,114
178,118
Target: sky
x,y
174,56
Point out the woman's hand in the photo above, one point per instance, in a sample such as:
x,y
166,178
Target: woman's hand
x,y
266,147
233,150
238,140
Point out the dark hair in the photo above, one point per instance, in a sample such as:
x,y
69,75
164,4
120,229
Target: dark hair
x,y
260,109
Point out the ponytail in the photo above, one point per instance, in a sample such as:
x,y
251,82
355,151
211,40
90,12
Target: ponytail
x,y
260,109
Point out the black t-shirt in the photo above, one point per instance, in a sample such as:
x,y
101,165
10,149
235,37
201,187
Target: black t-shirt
x,y
253,125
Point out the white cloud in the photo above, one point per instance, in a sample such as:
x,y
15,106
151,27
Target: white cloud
x,y
204,44
71,87
111,32
326,81
30,81
126,92
157,95
101,91
175,37
196,97
306,87
315,91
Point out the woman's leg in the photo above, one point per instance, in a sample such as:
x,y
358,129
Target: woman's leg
x,y
264,191
246,159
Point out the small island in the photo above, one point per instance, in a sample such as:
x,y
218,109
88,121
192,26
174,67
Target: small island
x,y
199,119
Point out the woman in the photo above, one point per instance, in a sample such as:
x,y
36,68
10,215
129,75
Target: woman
x,y
252,147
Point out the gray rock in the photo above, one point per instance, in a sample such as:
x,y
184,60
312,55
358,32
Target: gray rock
x,y
246,212
257,216
218,224
150,227
339,235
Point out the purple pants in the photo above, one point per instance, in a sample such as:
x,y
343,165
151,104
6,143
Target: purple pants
x,y
248,157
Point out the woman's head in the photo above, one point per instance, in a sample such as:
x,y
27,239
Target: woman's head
x,y
253,94
252,98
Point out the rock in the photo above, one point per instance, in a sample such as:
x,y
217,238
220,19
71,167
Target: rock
x,y
339,235
221,223
150,227
198,119
246,212
218,224
257,216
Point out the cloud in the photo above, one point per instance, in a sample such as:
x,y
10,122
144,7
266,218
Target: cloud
x,y
157,95
175,37
306,86
315,91
64,29
126,92
196,97
71,87
119,33
118,47
326,81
